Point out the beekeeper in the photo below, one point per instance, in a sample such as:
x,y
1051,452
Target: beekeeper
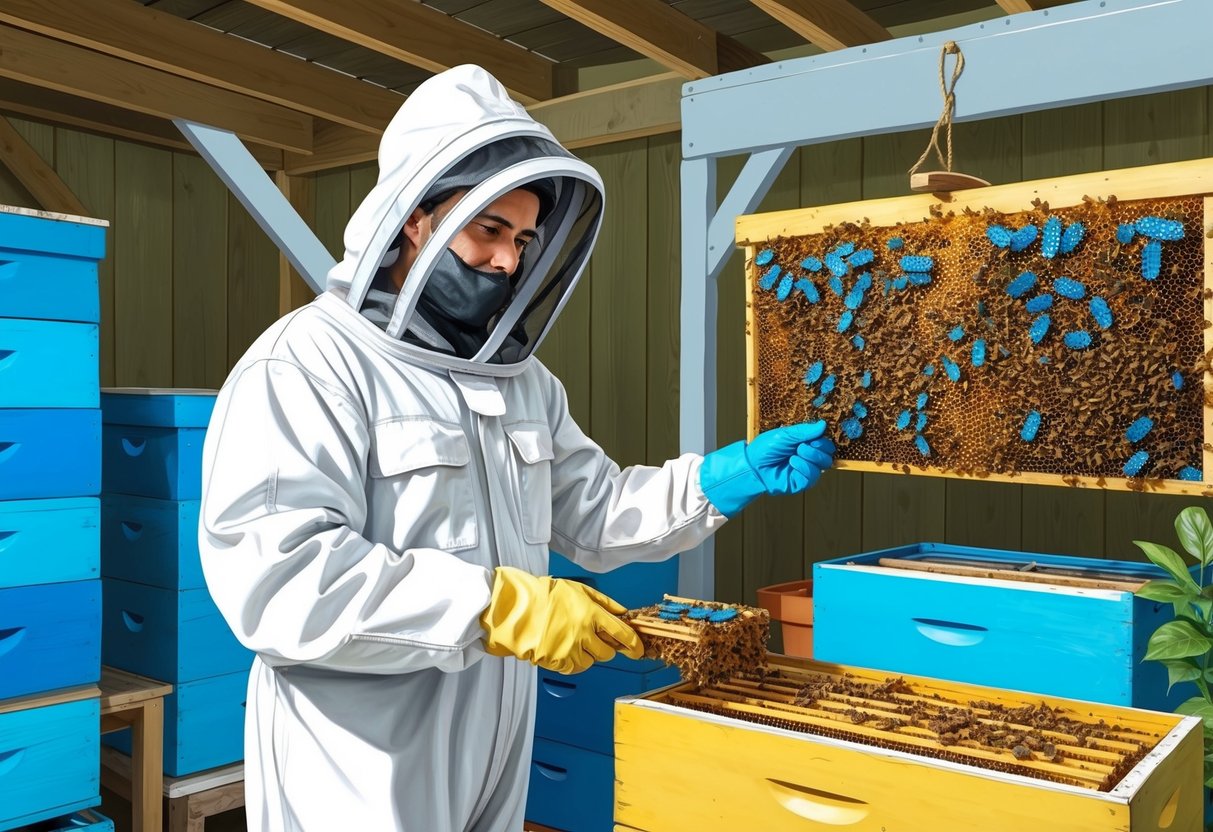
x,y
387,467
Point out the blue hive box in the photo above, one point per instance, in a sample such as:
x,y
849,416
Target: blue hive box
x,y
151,541
50,763
1044,638
40,250
50,637
152,441
29,529
571,788
50,453
579,709
48,364
86,821
203,725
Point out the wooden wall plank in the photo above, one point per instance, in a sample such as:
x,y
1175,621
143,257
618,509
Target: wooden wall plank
x,y
143,266
1152,129
362,179
200,301
12,192
618,299
664,302
85,162
300,191
833,509
566,350
333,208
252,280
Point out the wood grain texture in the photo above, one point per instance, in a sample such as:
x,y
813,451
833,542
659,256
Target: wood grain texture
x,y
665,284
200,300
36,174
252,280
830,24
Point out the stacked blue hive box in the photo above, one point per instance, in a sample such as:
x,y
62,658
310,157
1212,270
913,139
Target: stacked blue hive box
x,y
158,617
1052,639
573,763
50,475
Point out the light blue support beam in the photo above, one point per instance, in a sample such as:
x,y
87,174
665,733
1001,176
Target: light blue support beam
x,y
224,152
697,351
747,191
1072,54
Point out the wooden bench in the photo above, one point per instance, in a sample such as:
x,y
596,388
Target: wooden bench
x,y
191,799
136,702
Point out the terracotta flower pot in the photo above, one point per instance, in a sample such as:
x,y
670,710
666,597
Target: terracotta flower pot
x,y
791,604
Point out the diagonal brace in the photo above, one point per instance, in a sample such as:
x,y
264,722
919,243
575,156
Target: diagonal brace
x,y
747,191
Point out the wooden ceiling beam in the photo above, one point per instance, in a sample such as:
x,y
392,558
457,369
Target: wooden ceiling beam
x,y
829,24
71,111
656,30
1016,6
164,41
643,107
421,36
45,62
35,174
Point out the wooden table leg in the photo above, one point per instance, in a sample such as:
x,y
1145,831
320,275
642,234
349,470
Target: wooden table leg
x,y
181,819
147,767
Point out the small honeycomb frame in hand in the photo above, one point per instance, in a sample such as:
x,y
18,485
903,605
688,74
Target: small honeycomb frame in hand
x,y
707,641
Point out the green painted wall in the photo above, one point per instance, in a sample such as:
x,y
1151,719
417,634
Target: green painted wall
x,y
191,281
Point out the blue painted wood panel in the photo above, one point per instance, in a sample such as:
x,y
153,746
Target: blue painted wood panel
x,y
1076,643
203,725
26,233
151,541
579,710
157,408
168,635
50,637
165,463
24,278
571,788
48,364
49,541
50,453
50,762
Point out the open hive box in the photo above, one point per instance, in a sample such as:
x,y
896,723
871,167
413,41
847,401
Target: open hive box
x,y
805,745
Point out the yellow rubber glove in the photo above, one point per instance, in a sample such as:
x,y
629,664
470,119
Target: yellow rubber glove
x,y
557,624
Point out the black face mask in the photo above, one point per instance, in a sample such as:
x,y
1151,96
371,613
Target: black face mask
x,y
459,301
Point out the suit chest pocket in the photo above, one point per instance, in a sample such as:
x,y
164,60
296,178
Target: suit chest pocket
x,y
422,475
532,449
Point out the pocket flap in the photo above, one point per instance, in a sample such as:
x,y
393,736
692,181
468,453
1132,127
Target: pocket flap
x,y
406,445
533,440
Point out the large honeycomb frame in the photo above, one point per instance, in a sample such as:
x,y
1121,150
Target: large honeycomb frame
x,y
1087,398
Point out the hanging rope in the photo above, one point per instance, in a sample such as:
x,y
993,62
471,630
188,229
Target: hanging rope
x,y
949,106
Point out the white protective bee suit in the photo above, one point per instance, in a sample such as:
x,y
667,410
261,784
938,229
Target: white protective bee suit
x,y
360,484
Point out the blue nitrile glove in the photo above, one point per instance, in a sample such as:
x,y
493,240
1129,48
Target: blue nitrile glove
x,y
778,461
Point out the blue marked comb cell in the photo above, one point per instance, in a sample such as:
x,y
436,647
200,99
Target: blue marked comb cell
x,y
918,278
1079,340
767,281
862,257
812,374
857,342
764,257
1050,240
1069,288
1023,238
835,286
810,291
864,281
950,367
1157,228
844,320
900,282
866,380
956,333
1136,463
922,400
1072,236
860,410
827,386
1125,233
844,249
928,370
978,354
854,298
921,422
1177,380
1039,304
851,428
999,236
699,613
916,263
1190,474
1101,312
721,616
672,606
920,442
1031,424
785,288
1039,328
1138,430
669,616
811,264
895,243
1151,259
835,264
903,420
1020,286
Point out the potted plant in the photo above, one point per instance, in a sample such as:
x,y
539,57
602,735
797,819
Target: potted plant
x,y
1184,644
791,604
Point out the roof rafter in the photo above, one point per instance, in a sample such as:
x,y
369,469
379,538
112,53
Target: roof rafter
x,y
1016,6
829,24
37,176
658,31
419,35
45,62
166,42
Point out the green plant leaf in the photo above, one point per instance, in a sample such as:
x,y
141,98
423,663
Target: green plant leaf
x,y
1181,670
1166,591
1169,560
1178,639
1205,606
1197,706
1196,533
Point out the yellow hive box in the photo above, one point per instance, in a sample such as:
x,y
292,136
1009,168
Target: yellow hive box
x,y
678,768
